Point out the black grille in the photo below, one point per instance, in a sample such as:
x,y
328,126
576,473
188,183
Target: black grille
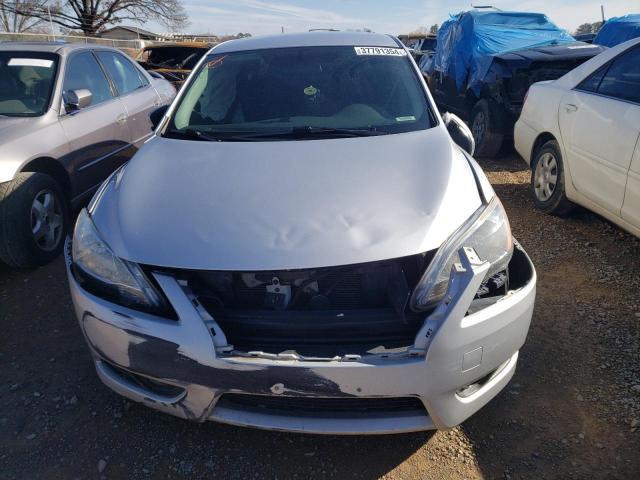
x,y
318,406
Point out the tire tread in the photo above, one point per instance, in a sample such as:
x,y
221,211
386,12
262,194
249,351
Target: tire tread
x,y
14,249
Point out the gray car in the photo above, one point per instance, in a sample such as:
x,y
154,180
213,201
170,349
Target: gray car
x,y
69,116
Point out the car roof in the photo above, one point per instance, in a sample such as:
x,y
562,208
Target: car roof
x,y
309,39
61,48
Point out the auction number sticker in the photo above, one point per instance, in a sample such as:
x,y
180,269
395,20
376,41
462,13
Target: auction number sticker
x,y
30,62
390,52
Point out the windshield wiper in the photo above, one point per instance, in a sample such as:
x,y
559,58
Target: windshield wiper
x,y
347,132
297,133
188,134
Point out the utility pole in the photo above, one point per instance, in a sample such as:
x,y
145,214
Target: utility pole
x,y
602,12
51,23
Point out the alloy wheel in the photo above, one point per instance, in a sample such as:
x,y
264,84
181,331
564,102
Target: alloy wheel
x,y
545,176
47,221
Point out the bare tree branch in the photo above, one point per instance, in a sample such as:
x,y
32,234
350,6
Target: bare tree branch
x,y
91,16
12,21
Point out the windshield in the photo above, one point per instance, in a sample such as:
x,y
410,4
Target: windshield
x,y
310,90
26,82
173,57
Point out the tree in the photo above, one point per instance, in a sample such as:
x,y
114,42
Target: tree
x,y
588,28
583,29
11,21
91,16
434,29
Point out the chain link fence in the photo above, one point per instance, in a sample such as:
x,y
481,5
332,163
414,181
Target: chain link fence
x,y
127,45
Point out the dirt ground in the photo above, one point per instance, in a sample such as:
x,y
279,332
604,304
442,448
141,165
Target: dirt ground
x,y
571,411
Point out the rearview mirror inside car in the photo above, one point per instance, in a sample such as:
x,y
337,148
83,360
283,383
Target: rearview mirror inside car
x,y
77,99
156,116
460,132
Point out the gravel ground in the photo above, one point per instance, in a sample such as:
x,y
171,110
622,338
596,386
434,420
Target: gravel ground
x,y
571,411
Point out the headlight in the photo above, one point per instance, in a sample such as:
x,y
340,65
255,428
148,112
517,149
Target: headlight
x,y
488,232
104,274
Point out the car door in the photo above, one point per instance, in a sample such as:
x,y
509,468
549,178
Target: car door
x,y
135,91
631,205
97,134
600,124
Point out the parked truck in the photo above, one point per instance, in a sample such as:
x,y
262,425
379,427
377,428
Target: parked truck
x,y
485,62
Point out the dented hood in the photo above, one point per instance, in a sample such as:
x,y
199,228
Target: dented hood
x,y
286,204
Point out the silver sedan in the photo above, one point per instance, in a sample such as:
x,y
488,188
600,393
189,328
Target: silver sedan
x,y
302,246
69,116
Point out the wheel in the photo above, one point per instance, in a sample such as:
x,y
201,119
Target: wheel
x,y
547,180
488,143
33,220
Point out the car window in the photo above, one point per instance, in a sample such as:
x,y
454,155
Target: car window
x,y
143,79
173,57
26,82
305,87
592,82
122,72
622,80
83,71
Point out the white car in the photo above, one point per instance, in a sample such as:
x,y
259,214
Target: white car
x,y
580,136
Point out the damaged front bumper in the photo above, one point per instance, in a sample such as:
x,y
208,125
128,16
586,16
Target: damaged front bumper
x,y
461,358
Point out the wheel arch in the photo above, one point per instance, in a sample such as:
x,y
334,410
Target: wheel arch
x,y
540,140
54,169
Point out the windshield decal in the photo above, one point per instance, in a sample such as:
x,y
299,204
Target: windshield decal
x,y
390,52
310,91
30,62
214,63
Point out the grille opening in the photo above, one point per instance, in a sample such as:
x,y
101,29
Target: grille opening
x,y
322,312
318,406
159,388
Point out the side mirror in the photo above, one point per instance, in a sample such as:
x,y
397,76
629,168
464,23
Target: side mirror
x,y
77,99
460,133
157,115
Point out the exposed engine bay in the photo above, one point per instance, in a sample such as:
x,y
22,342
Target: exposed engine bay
x,y
323,312
375,285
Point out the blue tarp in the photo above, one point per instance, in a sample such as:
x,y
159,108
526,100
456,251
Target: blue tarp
x,y
618,29
467,42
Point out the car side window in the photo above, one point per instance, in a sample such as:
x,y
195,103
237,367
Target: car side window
x,y
83,71
143,79
122,72
622,80
592,82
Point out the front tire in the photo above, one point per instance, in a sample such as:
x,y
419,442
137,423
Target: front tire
x,y
548,180
34,218
488,143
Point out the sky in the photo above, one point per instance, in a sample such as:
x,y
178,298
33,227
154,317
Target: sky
x,y
261,17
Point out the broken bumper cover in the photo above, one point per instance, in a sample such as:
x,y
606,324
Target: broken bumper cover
x,y
178,366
